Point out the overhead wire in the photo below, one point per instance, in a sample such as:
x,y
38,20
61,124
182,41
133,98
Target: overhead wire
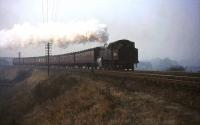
x,y
55,9
52,12
43,11
47,10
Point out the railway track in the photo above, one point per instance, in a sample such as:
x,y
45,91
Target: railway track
x,y
188,79
154,77
191,79
174,77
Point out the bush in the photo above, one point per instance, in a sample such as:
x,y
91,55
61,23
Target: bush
x,y
176,68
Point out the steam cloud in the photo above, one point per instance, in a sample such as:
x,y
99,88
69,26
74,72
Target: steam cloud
x,y
60,34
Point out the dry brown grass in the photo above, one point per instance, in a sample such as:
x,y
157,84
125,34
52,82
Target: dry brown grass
x,y
76,99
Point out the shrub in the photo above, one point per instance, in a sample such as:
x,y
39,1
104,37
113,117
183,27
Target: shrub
x,y
176,68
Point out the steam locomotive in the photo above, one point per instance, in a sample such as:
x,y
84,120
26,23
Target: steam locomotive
x,y
120,54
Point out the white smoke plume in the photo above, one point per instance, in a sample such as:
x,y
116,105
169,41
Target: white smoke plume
x,y
60,34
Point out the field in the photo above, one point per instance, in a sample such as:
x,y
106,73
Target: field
x,y
80,97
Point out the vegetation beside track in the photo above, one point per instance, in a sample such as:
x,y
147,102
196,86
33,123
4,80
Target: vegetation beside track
x,y
79,97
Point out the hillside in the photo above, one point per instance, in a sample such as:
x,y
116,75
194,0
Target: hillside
x,y
76,98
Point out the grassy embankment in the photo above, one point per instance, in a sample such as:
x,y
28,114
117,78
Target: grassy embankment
x,y
88,98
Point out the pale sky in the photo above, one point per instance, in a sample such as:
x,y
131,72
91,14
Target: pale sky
x,y
159,28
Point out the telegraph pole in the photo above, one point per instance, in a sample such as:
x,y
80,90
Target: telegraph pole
x,y
48,48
